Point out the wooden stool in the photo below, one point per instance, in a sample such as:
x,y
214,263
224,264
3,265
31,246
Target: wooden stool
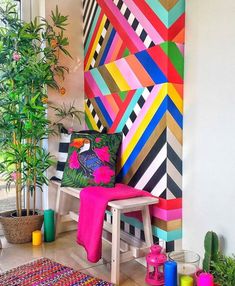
x,y
118,239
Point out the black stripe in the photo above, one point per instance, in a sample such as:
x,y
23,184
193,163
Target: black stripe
x,y
174,158
161,171
155,239
63,147
132,230
60,166
170,246
173,187
86,27
85,11
163,195
148,159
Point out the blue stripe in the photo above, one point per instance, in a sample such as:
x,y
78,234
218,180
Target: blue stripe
x,y
147,133
106,50
151,67
104,111
175,112
167,104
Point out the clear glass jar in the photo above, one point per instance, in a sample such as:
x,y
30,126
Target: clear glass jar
x,y
187,262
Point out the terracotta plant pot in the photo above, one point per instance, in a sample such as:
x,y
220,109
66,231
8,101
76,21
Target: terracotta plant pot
x,y
19,229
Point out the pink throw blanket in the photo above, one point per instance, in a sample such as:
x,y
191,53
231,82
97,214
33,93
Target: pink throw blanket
x,y
93,203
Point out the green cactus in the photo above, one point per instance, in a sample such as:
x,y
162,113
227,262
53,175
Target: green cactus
x,y
211,245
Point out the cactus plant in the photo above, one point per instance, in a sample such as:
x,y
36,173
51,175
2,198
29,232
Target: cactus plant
x,y
211,245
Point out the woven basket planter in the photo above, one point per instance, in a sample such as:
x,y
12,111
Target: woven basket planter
x,y
19,229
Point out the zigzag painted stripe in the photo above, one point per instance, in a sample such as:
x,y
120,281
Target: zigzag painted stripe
x,y
134,70
160,64
120,24
168,15
149,109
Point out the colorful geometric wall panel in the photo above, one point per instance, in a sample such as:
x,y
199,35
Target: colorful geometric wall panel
x,y
134,66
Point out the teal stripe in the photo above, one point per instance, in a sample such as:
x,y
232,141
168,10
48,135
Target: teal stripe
x,y
91,32
167,17
162,234
129,110
100,81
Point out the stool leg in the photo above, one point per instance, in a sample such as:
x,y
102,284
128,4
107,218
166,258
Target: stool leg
x,y
115,263
57,209
147,226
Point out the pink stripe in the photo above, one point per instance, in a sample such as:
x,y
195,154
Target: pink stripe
x,y
128,74
108,107
167,215
92,84
140,117
125,26
112,48
181,48
151,31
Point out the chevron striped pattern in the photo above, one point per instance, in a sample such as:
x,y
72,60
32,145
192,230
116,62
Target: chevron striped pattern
x,y
134,65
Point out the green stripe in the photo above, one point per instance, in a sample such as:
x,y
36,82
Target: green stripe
x,y
167,17
91,32
88,123
176,57
122,95
100,81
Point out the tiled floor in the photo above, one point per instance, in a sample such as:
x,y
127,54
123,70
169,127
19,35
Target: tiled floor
x,y
66,251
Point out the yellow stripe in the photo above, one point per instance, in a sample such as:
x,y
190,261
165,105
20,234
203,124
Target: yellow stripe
x,y
90,117
117,76
148,117
176,98
95,42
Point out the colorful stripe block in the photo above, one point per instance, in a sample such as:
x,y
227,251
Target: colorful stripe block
x,y
134,69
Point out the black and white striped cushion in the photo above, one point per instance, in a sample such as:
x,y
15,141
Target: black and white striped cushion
x,y
62,156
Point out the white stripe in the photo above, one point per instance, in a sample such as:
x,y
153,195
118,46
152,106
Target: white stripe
x,y
88,23
174,174
137,233
62,157
174,143
160,187
156,163
65,138
126,227
145,93
59,174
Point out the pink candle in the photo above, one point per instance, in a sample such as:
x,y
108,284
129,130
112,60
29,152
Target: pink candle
x,y
205,279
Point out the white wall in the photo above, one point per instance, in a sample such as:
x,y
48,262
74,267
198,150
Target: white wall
x,y
209,129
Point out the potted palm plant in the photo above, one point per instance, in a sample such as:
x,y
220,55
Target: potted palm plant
x,y
29,63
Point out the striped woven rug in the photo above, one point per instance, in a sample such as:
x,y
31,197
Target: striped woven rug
x,y
47,272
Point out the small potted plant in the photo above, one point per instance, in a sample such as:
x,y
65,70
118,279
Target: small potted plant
x,y
28,65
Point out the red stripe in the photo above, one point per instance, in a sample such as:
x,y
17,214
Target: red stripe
x,y
113,19
121,51
164,63
93,38
153,18
122,110
117,99
176,27
170,204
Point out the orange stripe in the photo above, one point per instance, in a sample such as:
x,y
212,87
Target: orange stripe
x,y
179,38
117,49
112,103
179,88
139,71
